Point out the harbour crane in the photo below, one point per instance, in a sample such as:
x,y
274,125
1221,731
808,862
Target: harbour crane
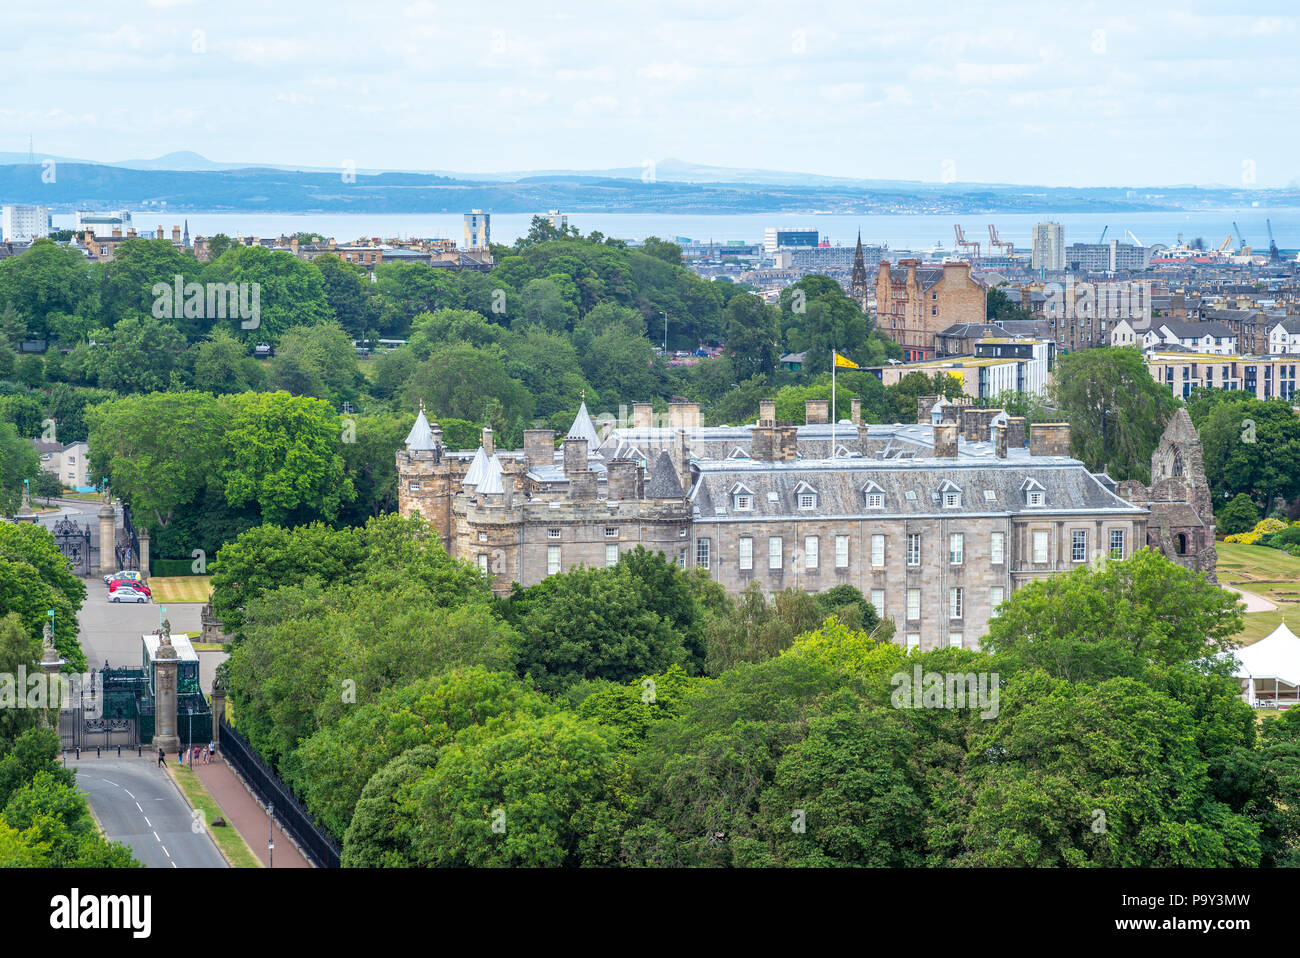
x,y
1227,241
1239,236
1103,234
1133,237
964,243
1007,247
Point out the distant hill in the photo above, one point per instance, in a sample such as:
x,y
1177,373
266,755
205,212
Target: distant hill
x,y
187,181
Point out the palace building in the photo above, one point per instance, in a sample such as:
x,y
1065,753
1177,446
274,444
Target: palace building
x,y
935,523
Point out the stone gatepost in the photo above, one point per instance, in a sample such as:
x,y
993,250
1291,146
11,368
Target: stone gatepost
x,y
144,553
51,664
218,706
165,664
107,536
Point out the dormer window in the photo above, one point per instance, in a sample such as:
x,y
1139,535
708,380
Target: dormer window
x,y
1035,494
875,495
744,502
805,496
950,494
1034,497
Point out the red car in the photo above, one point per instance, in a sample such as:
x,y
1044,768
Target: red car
x,y
139,586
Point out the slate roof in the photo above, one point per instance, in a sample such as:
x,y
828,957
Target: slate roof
x,y
840,486
477,468
662,481
420,438
584,428
491,484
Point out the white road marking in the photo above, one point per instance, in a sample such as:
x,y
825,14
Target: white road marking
x,y
137,805
127,790
165,851
115,785
173,864
146,819
155,835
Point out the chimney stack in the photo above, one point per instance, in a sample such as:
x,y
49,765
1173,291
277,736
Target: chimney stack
x,y
766,411
488,446
816,411
945,440
1000,440
1049,439
575,456
855,410
1016,432
642,415
683,415
539,447
176,234
621,475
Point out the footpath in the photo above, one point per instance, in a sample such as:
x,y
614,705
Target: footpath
x,y
246,815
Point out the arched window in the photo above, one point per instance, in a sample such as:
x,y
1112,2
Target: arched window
x,y
1180,543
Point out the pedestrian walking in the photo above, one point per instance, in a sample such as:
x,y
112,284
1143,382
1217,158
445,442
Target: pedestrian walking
x,y
162,759
212,751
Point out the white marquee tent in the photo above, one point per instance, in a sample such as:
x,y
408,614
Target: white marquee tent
x,y
1270,669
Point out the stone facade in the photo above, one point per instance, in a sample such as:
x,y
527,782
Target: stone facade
x,y
1179,500
935,523
915,304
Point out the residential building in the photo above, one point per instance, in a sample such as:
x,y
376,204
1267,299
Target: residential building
x,y
22,224
66,462
914,303
1264,377
1047,250
478,230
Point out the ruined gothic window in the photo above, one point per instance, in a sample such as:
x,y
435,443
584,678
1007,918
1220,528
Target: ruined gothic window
x,y
1177,468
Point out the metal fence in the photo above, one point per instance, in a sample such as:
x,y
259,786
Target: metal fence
x,y
289,812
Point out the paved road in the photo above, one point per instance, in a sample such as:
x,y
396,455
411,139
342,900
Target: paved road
x,y
1254,603
137,803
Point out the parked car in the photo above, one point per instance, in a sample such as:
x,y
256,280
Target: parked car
x,y
128,574
129,584
127,594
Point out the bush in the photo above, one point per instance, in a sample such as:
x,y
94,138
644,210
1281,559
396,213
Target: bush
x,y
1237,516
170,567
1261,528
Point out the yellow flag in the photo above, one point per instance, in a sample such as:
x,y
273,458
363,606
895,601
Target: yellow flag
x,y
843,363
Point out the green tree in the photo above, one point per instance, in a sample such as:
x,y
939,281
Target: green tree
x,y
592,623
751,336
282,452
1239,515
1094,624
551,791
158,449
1253,447
1116,411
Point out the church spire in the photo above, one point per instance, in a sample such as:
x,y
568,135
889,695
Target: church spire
x,y
858,278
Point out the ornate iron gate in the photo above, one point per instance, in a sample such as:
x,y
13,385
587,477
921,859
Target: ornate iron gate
x,y
74,542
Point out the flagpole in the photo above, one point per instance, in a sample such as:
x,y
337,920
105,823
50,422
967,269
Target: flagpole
x,y
833,407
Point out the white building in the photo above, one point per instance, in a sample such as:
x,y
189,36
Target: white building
x,y
103,224
1211,338
478,230
1048,250
22,224
68,463
1284,337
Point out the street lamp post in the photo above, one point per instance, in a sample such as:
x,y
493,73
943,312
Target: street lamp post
x,y
665,316
270,836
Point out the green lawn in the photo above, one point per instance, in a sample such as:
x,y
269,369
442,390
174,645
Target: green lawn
x,y
180,588
231,843
1270,573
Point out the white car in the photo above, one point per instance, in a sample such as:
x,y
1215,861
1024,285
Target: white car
x,y
124,593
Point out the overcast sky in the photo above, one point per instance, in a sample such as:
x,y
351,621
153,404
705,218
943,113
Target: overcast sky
x,y
1076,94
